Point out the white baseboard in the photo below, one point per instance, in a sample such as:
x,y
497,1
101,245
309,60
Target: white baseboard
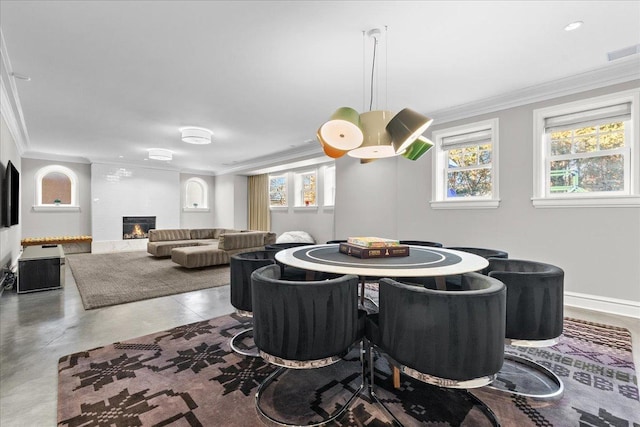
x,y
109,246
616,306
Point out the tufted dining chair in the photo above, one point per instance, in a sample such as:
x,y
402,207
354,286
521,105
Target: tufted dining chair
x,y
451,339
304,325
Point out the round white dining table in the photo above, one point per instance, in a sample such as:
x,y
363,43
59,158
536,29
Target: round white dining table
x,y
422,261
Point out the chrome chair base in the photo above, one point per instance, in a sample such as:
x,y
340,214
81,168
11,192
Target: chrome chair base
x,y
491,416
542,383
284,366
239,337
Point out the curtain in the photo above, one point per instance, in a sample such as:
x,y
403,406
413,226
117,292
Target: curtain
x,y
259,213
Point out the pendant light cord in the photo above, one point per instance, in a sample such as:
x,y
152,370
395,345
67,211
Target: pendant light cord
x,y
373,66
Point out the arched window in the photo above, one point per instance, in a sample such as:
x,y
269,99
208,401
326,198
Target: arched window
x,y
56,186
195,194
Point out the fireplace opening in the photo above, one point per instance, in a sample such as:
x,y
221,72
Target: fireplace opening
x,y
137,227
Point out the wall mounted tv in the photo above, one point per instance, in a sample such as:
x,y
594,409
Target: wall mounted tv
x,y
11,195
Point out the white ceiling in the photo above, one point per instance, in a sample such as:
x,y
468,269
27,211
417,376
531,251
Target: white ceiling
x,y
114,78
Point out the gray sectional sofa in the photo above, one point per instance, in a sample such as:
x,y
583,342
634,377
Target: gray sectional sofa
x,y
207,246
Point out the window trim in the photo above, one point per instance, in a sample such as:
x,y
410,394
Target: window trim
x,y
326,188
299,191
543,199
51,207
439,201
286,179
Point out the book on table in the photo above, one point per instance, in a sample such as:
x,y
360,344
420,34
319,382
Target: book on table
x,y
383,252
372,242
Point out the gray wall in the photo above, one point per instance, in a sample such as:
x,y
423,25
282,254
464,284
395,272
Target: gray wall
x,y
366,198
317,221
9,236
47,223
230,201
599,248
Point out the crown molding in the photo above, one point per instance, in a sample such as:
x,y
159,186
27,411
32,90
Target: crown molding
x,y
622,71
10,107
37,155
305,152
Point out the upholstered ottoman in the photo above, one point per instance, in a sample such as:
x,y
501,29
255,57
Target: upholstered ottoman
x,y
199,256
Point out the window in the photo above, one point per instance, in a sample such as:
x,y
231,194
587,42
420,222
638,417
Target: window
x,y
195,194
56,188
305,185
585,153
466,166
329,185
278,191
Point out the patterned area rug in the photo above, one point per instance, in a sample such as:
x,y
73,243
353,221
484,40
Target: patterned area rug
x,y
188,376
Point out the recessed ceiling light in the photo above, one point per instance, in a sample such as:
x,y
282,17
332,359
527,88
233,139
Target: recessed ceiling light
x,y
196,135
160,154
573,26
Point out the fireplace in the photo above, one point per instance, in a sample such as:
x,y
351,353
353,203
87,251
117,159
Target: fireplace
x,y
137,227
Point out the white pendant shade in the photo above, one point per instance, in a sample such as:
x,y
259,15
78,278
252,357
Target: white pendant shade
x,y
341,131
377,141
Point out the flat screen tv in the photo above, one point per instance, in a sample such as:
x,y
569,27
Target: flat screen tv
x,y
11,195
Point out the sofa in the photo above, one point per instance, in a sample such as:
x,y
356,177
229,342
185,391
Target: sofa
x,y
205,247
161,242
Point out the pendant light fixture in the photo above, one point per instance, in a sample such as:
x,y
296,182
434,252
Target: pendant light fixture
x,y
375,134
341,133
377,142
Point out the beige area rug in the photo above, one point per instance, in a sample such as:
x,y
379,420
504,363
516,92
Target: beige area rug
x,y
117,278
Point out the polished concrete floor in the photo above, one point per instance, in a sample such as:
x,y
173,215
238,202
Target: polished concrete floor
x,y
37,329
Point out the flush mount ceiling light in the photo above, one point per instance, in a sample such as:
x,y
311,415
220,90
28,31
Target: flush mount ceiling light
x,y
196,135
573,26
160,154
375,134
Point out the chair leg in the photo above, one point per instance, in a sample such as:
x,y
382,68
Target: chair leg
x,y
337,414
396,422
239,337
554,385
487,411
396,377
372,390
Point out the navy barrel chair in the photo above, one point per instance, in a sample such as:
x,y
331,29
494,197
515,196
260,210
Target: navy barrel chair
x,y
451,339
534,318
305,325
241,267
